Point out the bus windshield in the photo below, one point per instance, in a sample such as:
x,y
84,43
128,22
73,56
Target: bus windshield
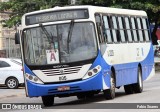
x,y
50,45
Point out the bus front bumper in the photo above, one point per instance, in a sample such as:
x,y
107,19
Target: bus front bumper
x,y
90,84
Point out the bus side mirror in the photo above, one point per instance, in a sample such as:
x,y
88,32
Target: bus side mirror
x,y
17,38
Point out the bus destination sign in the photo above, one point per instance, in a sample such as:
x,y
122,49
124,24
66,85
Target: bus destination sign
x,y
56,16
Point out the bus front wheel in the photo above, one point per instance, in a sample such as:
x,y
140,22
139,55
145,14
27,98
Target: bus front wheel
x,y
48,100
138,87
110,93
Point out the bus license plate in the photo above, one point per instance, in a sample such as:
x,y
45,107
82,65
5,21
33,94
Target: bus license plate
x,y
63,88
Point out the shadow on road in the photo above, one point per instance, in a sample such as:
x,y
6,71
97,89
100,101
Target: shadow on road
x,y
82,103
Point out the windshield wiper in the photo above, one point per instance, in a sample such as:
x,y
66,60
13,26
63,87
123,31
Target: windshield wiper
x,y
49,37
70,33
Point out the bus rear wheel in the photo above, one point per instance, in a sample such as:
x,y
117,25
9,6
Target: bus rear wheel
x,y
128,89
48,100
138,87
110,93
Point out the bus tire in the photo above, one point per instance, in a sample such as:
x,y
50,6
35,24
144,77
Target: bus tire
x,y
81,96
110,93
128,89
48,100
138,87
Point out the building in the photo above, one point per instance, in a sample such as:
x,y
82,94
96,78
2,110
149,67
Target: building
x,y
7,41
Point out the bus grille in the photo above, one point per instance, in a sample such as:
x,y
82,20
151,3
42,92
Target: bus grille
x,y
62,71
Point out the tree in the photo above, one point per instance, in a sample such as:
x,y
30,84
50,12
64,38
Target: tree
x,y
152,7
97,2
16,8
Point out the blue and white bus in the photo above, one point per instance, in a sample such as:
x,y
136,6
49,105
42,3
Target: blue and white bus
x,y
84,50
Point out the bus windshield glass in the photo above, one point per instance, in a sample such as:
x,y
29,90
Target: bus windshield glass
x,y
49,44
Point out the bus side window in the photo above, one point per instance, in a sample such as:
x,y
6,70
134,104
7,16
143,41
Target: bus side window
x,y
116,36
128,29
139,30
99,27
134,29
107,30
121,29
145,29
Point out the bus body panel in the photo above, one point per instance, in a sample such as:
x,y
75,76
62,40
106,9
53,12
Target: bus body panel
x,y
126,67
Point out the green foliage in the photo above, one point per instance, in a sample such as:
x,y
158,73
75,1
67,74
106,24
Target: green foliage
x,y
97,2
19,7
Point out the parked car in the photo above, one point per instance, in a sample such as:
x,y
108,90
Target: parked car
x,y
11,73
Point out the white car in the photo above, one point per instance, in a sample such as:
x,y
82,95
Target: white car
x,y
11,73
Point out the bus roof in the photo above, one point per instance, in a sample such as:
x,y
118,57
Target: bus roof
x,y
94,9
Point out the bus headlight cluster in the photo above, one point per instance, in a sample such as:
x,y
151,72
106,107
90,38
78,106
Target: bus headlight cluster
x,y
33,78
92,72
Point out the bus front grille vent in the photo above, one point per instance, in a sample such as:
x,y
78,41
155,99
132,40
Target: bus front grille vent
x,y
62,71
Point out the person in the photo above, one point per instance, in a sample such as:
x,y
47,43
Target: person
x,y
156,51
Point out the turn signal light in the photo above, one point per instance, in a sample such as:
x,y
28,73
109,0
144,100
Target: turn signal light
x,y
95,70
89,73
30,77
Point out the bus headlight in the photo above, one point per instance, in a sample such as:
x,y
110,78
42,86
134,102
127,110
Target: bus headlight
x,y
33,78
92,72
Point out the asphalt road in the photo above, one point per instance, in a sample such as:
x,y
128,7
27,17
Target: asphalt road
x,y
150,94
